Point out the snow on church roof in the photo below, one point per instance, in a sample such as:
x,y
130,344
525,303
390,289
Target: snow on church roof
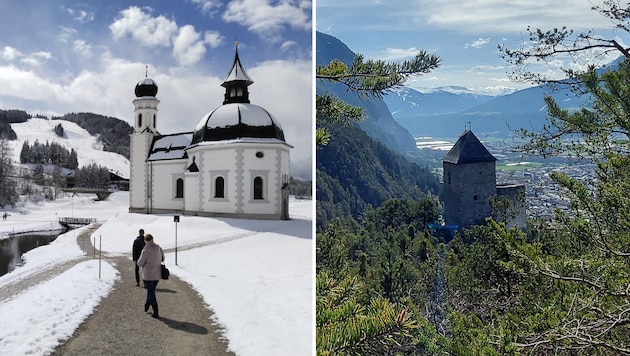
x,y
170,147
237,72
237,120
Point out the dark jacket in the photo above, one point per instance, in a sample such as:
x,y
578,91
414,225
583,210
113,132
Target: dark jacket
x,y
138,245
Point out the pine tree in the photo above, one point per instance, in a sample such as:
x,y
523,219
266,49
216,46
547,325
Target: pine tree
x,y
583,264
370,79
8,192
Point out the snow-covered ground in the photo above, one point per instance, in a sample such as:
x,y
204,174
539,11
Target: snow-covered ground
x,y
256,275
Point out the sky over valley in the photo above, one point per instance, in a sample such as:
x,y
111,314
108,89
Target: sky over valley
x,y
64,56
465,34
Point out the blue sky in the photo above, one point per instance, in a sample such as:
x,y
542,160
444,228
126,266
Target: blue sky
x,y
61,56
465,34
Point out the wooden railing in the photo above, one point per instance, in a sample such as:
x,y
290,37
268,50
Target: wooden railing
x,y
77,221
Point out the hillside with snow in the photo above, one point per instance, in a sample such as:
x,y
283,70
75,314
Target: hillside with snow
x,y
89,149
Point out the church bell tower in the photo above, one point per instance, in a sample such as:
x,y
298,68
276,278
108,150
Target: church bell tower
x,y
144,131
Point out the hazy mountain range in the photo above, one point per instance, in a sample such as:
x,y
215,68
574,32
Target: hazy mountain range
x,y
443,112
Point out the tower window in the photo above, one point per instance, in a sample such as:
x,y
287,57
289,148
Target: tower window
x,y
219,187
139,120
449,177
258,188
475,197
179,188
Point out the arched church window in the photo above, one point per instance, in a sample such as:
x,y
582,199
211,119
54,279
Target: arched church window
x,y
219,187
139,120
154,121
179,188
258,188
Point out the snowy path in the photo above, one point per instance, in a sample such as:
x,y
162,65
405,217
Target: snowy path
x,y
120,326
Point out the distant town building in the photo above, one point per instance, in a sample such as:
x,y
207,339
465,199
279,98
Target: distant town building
x,y
469,182
235,163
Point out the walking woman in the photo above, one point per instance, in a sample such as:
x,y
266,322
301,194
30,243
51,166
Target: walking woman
x,y
150,260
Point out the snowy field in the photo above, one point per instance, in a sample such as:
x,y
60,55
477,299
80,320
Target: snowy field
x,y
256,275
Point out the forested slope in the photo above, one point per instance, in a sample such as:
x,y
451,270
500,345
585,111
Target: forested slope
x,y
354,171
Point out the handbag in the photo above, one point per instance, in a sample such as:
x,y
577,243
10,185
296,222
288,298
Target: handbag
x,y
165,272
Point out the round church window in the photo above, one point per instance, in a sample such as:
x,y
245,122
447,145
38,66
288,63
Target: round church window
x,y
259,154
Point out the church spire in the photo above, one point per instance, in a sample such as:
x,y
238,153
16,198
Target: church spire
x,y
236,82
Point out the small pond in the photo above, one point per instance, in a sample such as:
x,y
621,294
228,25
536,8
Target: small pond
x,y
12,248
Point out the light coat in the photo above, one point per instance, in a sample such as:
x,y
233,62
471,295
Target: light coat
x,y
150,259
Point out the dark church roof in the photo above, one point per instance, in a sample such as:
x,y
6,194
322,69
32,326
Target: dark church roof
x,y
468,149
146,87
237,121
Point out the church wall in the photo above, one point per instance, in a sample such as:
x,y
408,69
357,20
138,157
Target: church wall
x,y
269,167
215,161
238,164
163,175
191,191
138,172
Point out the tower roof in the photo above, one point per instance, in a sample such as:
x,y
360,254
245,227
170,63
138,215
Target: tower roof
x,y
468,149
237,73
146,86
237,118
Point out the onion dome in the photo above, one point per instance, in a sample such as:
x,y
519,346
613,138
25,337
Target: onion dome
x,y
236,121
146,87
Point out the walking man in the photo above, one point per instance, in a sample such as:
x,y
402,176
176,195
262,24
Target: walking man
x,y
138,245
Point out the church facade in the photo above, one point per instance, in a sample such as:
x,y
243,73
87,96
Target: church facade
x,y
235,163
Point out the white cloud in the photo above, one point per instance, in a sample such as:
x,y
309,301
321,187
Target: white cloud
x,y
66,34
150,31
498,16
9,54
208,7
287,45
82,16
187,48
36,58
478,43
267,20
82,48
391,54
213,39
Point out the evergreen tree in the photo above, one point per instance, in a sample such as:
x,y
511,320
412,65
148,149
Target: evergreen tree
x,y
92,176
576,275
8,191
367,77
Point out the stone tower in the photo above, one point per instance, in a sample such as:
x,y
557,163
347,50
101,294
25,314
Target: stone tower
x,y
144,132
468,183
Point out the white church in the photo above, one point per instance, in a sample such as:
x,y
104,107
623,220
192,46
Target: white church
x,y
234,164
